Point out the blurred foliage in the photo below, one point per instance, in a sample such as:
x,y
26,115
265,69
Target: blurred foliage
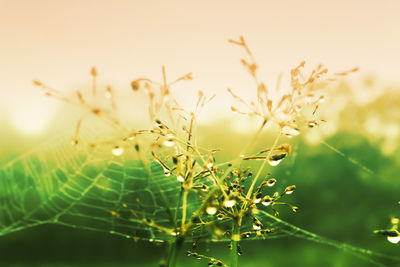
x,y
337,199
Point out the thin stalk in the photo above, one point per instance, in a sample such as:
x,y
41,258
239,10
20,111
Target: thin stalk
x,y
235,242
178,204
174,251
184,207
262,166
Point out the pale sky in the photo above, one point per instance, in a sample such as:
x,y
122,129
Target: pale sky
x,y
58,41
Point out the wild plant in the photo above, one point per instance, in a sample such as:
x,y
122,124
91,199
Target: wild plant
x,y
200,198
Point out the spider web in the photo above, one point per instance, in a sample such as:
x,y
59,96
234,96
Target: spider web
x,y
91,189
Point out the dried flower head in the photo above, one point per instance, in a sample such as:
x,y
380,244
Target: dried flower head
x,y
287,112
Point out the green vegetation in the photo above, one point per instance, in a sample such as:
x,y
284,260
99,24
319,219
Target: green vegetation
x,y
166,186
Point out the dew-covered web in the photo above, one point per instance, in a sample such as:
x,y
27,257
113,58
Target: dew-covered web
x,y
89,188
83,188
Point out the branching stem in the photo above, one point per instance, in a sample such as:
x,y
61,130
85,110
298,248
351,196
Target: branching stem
x,y
234,255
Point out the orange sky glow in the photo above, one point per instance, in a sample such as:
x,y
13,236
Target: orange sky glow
x,y
58,41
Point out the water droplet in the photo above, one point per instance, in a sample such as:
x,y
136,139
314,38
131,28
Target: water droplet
x,y
266,203
108,94
289,190
274,162
204,188
290,131
256,227
169,143
167,173
246,234
311,124
117,151
211,210
209,165
175,233
229,203
394,239
267,200
170,136
180,178
271,182
220,216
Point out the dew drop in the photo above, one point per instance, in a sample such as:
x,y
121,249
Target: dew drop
x,y
170,136
311,124
204,188
256,227
290,131
220,216
180,178
274,162
117,151
211,210
175,233
271,182
266,201
290,189
394,239
229,203
246,234
169,143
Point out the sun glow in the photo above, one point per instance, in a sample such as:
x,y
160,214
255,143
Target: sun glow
x,y
30,121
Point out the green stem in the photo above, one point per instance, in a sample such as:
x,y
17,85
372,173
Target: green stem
x,y
234,243
263,165
174,251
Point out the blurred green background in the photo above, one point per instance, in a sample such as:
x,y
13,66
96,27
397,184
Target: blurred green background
x,y
338,199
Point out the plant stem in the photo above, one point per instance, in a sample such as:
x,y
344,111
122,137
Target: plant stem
x,y
184,207
262,166
234,242
174,251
